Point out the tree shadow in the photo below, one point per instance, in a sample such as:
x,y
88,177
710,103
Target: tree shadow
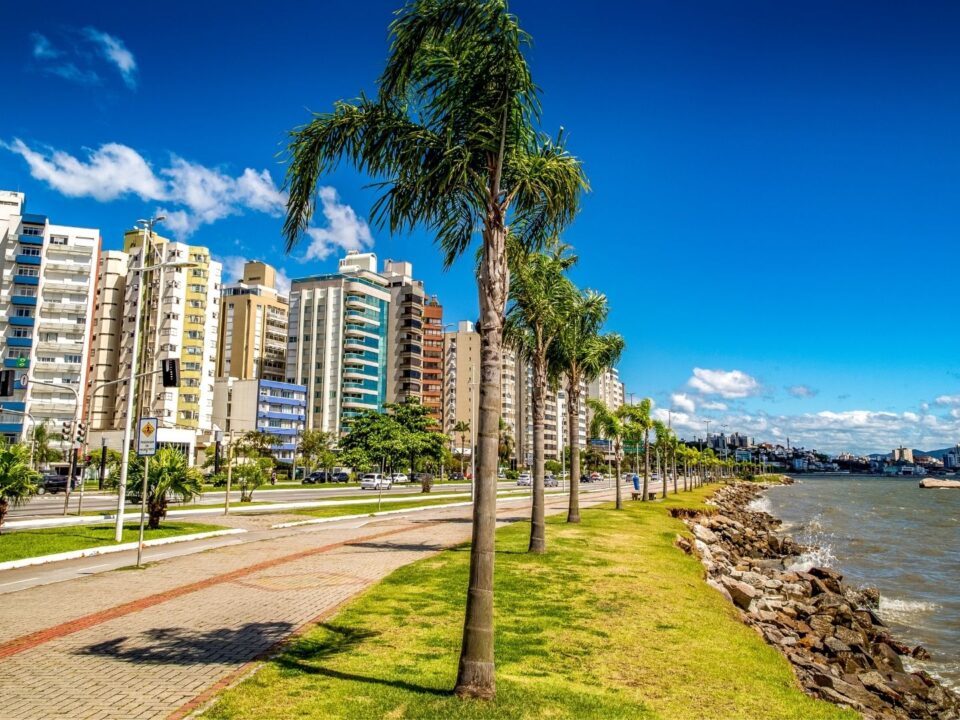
x,y
302,656
180,646
416,547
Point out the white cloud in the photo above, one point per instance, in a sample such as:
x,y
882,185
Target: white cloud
x,y
682,401
713,405
728,384
802,391
111,171
344,231
42,48
948,400
115,52
283,282
204,195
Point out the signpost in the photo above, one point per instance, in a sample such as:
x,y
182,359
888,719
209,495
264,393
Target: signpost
x,y
146,448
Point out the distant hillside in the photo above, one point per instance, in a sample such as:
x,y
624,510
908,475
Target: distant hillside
x,y
938,454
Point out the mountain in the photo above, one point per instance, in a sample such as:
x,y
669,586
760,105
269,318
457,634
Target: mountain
x,y
938,454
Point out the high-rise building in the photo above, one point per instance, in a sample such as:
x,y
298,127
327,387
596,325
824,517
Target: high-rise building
x,y
607,388
432,396
106,338
338,341
253,327
46,292
180,309
461,351
405,346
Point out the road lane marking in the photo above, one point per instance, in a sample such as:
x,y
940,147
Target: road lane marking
x,y
17,582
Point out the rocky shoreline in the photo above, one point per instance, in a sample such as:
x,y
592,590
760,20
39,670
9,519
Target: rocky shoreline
x,y
840,649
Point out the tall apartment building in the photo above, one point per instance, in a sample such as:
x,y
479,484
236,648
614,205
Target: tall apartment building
x,y
432,396
338,341
253,327
405,356
608,389
46,291
180,310
461,384
106,338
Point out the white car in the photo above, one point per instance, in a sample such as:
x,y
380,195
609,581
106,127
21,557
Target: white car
x,y
525,479
399,478
374,481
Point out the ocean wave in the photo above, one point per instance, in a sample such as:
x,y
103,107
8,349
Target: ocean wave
x,y
760,504
820,556
901,610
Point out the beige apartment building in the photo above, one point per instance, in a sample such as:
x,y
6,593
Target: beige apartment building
x,y
180,310
253,327
405,351
106,338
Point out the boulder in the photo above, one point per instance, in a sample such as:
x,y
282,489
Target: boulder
x,y
705,535
741,593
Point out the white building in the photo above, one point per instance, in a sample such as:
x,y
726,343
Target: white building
x,y
46,292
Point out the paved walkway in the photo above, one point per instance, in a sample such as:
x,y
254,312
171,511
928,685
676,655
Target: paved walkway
x,y
156,643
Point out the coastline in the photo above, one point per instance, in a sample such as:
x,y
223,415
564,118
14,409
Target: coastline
x,y
840,649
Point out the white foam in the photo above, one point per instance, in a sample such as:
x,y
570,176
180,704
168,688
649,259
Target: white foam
x,y
760,504
820,556
902,610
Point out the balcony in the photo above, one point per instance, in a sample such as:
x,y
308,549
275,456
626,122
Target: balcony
x,y
360,374
59,284
21,321
19,342
359,404
18,363
68,249
24,300
30,239
29,260
26,280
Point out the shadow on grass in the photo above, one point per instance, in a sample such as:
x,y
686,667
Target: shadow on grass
x,y
301,657
180,646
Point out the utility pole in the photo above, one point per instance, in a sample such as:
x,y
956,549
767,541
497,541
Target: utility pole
x,y
226,497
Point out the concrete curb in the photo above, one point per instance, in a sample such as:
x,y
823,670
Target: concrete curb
x,y
106,549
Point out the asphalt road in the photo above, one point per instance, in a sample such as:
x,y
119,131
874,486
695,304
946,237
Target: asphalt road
x,y
52,505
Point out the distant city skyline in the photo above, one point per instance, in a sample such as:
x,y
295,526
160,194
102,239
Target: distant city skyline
x,y
772,206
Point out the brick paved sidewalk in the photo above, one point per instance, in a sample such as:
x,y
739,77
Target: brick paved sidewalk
x,y
144,644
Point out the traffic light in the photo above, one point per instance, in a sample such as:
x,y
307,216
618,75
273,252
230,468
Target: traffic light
x,y
6,383
65,433
170,370
81,433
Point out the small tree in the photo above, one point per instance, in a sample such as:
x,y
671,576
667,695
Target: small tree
x,y
43,454
608,424
169,476
112,468
18,481
462,428
251,474
317,449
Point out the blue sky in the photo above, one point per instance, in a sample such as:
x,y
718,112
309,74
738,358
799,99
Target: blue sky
x,y
774,185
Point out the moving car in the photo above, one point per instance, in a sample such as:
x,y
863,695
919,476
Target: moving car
x,y
53,484
525,479
313,478
374,481
399,478
550,481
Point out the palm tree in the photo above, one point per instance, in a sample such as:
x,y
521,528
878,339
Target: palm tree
x,y
580,354
462,427
640,419
168,476
452,136
539,294
609,424
18,481
43,454
660,450
505,446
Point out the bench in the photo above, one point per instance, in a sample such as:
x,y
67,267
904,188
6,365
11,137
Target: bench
x,y
634,495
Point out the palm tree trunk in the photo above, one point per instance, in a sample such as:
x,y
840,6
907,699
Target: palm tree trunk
x,y
573,416
476,676
662,472
646,464
157,510
673,463
538,540
617,478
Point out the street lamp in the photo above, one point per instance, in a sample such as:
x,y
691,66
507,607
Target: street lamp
x,y
147,227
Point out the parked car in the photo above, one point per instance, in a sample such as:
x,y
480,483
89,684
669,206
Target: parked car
x,y
340,477
595,477
420,477
457,476
374,481
399,478
316,477
524,479
550,481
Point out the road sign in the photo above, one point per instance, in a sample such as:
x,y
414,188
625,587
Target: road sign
x,y
147,437
23,362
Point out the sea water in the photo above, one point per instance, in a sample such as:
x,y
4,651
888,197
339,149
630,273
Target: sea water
x,y
893,535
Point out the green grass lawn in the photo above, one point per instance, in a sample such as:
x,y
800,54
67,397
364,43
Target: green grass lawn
x,y
614,622
32,543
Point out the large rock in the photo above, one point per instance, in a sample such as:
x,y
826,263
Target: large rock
x,y
741,593
705,535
